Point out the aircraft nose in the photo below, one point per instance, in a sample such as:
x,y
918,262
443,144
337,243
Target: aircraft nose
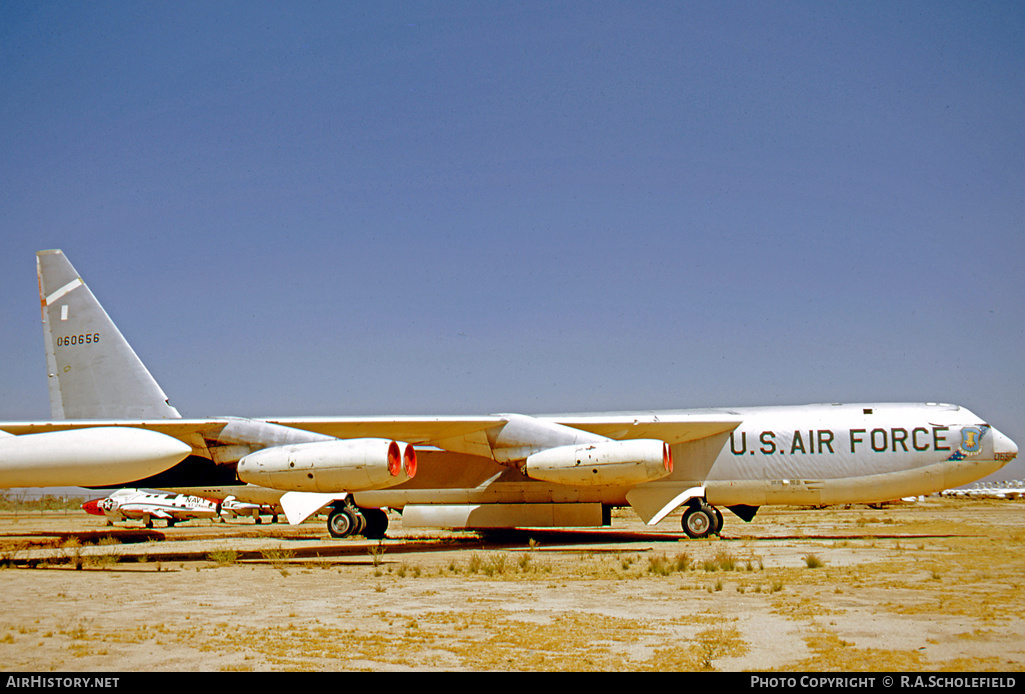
x,y
1003,448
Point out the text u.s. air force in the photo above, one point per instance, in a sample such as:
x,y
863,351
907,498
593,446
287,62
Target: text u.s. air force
x,y
879,440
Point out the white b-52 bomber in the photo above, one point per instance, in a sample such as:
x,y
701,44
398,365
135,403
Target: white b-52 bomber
x,y
113,426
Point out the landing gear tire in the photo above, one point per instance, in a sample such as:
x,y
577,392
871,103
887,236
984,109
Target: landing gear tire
x,y
346,521
361,521
701,520
377,523
342,522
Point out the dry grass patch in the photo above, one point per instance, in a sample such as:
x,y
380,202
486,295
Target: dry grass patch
x,y
701,652
481,639
833,654
223,557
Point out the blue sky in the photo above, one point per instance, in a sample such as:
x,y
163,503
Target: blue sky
x,y
464,207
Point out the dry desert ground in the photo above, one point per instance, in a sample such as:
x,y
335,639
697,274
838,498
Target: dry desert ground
x,y
930,586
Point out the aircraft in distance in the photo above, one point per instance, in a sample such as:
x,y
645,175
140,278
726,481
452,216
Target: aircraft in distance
x,y
1008,489
145,506
233,508
494,471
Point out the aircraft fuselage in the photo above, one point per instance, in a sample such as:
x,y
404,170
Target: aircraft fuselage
x,y
803,455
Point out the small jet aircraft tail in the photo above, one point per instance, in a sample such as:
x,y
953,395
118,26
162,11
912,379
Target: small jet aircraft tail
x,y
93,371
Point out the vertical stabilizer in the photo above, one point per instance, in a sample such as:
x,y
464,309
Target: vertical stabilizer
x,y
93,371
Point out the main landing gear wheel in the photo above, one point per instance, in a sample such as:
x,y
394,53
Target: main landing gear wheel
x,y
701,520
342,522
345,521
377,523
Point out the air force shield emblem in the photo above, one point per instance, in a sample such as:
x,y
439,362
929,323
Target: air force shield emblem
x,y
971,439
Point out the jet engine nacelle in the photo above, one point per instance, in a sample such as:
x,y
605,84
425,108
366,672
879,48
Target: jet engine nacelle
x,y
612,463
342,465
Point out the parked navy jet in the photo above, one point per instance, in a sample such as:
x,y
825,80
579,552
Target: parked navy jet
x,y
494,471
134,504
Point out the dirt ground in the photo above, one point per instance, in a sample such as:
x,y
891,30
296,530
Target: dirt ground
x,y
931,586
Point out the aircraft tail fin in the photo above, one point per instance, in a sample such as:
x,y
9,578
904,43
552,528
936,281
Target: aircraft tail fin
x,y
93,373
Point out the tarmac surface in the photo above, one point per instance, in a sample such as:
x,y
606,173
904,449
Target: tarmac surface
x,y
930,586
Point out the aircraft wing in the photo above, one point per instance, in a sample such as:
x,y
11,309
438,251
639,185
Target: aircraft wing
x,y
468,435
671,427
458,434
477,435
138,511
435,431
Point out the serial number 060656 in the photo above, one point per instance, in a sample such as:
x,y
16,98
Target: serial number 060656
x,y
78,340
